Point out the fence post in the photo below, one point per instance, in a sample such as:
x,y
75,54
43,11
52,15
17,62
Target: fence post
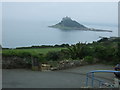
x,y
92,79
87,80
36,66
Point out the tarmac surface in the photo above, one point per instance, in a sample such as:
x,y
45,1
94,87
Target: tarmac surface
x,y
70,78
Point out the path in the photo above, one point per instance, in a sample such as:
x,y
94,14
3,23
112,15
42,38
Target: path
x,y
70,78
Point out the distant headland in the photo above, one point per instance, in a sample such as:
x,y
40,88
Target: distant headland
x,y
68,24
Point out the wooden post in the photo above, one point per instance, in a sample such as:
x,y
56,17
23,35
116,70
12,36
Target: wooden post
x,y
36,66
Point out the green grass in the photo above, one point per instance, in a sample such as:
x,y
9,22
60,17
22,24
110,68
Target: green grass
x,y
0,51
32,51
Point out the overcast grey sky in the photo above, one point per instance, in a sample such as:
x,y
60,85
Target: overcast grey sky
x,y
19,16
0,23
101,12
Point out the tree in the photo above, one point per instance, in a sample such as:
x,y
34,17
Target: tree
x,y
78,51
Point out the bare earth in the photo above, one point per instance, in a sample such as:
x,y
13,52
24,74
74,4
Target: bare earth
x,y
70,78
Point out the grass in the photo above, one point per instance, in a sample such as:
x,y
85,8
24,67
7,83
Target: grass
x,y
32,51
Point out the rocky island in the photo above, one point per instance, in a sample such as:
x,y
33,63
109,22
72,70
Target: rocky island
x,y
68,24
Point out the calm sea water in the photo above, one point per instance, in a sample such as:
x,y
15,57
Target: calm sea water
x,y
28,33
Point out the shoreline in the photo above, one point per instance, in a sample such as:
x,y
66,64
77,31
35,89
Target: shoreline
x,y
74,28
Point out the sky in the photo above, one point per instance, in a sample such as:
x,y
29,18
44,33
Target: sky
x,y
102,12
83,12
0,23
60,0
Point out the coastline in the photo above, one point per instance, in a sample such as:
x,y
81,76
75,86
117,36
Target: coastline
x,y
75,28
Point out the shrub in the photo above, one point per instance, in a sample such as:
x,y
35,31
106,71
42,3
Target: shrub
x,y
41,58
9,53
64,54
54,55
105,54
79,51
100,52
89,59
24,54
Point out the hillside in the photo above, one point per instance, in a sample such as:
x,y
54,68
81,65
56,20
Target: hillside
x,y
68,24
106,50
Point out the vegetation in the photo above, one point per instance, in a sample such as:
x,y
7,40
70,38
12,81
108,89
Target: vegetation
x,y
22,58
89,59
68,24
34,51
106,50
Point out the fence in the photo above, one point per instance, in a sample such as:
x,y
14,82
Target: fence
x,y
90,75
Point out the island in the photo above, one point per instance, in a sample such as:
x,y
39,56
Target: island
x,y
68,24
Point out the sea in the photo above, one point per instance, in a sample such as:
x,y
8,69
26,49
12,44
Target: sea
x,y
19,33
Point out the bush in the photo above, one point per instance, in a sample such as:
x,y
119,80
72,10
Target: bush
x,y
80,50
41,58
89,59
24,54
105,54
11,53
54,55
64,54
100,52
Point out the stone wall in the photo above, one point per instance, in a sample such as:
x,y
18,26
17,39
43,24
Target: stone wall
x,y
66,64
14,62
0,61
18,62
